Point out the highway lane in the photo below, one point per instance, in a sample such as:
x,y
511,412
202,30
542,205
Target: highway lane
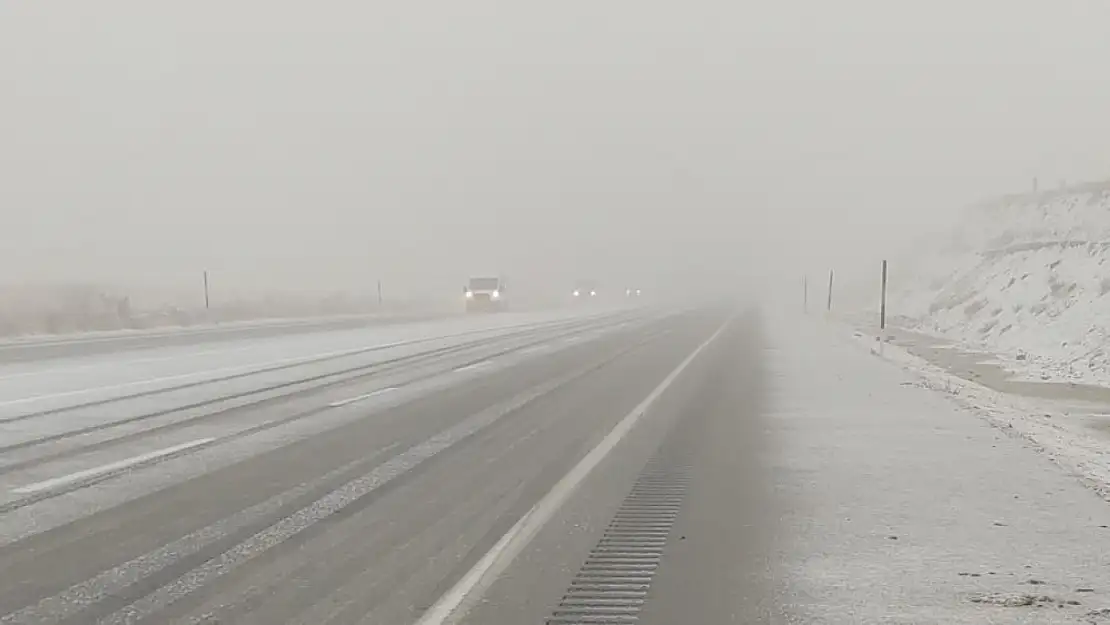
x,y
366,506
207,385
351,443
675,525
58,452
51,384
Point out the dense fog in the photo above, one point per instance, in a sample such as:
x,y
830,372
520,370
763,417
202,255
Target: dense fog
x,y
318,147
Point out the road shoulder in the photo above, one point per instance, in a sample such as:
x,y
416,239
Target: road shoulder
x,y
906,509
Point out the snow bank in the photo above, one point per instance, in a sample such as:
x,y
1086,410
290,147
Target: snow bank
x,y
1025,277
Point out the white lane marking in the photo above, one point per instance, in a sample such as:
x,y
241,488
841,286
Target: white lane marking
x,y
108,468
351,400
471,367
454,604
323,508
69,602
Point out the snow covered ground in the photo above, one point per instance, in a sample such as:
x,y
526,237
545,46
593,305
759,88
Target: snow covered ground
x,y
901,507
1024,277
1064,431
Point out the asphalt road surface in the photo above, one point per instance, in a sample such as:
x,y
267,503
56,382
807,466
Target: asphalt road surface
x,y
546,470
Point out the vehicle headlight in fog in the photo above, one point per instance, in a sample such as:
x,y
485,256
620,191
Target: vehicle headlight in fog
x,y
593,293
469,294
637,291
576,293
495,295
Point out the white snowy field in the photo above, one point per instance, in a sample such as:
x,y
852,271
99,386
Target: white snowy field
x,y
1025,277
901,506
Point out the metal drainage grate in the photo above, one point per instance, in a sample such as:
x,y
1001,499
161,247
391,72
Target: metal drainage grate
x,y
613,584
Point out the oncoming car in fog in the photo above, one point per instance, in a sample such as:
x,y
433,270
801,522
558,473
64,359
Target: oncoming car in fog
x,y
584,291
485,294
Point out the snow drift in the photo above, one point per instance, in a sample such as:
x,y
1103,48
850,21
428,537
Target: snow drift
x,y
1026,277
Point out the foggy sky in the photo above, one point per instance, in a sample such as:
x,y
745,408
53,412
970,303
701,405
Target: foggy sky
x,y
325,145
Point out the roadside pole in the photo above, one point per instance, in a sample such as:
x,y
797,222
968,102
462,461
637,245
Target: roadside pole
x,y
828,305
882,313
882,306
379,293
805,294
206,301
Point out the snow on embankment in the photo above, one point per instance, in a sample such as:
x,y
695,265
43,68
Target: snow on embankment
x,y
1025,277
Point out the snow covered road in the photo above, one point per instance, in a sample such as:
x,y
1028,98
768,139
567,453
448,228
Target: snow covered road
x,y
748,472
429,456
40,385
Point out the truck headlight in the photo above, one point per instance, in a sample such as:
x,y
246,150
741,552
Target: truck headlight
x,y
469,294
495,295
576,294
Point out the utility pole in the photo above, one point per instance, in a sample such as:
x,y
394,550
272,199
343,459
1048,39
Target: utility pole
x,y
828,306
206,301
379,293
805,294
882,306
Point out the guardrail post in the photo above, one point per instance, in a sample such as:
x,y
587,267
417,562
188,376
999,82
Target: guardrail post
x,y
828,305
882,306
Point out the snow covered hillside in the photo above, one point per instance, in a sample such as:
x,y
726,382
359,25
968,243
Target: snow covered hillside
x,y
1025,277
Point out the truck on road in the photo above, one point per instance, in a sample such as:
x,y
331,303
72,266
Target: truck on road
x,y
485,294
